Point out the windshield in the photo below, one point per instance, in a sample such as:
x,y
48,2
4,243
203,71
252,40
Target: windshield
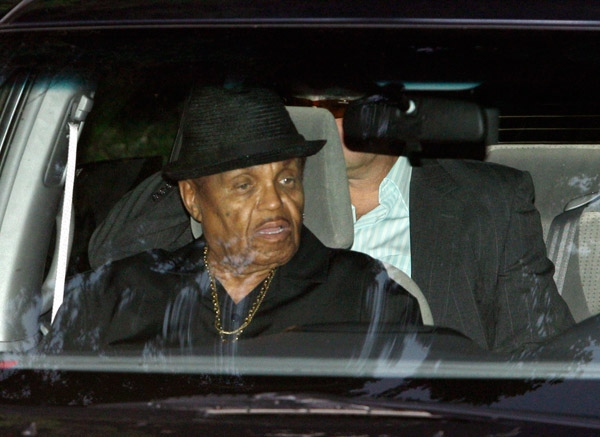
x,y
383,214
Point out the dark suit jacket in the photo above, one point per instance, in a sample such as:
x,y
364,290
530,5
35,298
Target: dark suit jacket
x,y
477,248
478,253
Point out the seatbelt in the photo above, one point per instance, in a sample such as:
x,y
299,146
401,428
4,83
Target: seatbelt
x,y
562,243
65,223
561,240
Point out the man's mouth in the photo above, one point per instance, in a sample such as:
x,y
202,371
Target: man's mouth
x,y
274,229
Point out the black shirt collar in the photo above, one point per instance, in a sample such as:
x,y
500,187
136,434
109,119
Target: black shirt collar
x,y
311,262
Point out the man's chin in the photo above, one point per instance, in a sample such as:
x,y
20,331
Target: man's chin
x,y
278,254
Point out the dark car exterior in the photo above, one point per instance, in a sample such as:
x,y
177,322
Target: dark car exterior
x,y
120,72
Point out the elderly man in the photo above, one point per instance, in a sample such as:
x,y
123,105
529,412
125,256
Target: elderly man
x,y
256,270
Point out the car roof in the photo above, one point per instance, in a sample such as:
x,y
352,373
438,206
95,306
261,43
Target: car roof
x,y
517,51
542,14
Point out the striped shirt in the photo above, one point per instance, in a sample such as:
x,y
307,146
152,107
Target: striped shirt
x,y
384,232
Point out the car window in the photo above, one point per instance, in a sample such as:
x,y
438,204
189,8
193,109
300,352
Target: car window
x,y
491,217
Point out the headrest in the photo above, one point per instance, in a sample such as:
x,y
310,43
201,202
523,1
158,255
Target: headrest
x,y
560,173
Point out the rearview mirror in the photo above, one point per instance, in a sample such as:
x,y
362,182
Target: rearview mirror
x,y
420,126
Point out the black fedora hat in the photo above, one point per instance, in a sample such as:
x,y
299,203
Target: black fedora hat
x,y
226,129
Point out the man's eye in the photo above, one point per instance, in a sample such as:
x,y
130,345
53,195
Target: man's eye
x,y
243,186
288,181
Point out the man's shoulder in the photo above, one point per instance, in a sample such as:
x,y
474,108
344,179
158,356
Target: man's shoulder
x,y
187,259
475,175
151,215
316,258
354,264
478,168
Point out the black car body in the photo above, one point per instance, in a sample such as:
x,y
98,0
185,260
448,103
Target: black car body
x,y
120,72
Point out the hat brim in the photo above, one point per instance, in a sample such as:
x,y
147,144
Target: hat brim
x,y
180,170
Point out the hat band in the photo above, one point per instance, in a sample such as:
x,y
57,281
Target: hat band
x,y
222,158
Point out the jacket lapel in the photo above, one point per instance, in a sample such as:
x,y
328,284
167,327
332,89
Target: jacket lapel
x,y
438,245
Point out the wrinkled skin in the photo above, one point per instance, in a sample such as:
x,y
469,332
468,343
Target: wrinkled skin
x,y
251,219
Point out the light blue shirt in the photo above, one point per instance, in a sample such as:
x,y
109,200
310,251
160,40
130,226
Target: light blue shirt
x,y
384,232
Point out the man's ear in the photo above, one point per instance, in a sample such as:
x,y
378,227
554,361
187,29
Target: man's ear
x,y
189,195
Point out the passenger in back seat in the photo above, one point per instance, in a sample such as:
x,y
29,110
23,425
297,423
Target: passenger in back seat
x,y
466,232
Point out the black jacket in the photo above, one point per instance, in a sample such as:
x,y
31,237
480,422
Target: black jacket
x,y
164,298
478,254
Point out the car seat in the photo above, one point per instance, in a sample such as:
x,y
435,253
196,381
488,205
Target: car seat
x,y
574,246
566,181
560,172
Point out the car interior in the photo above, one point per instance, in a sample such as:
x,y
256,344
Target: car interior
x,y
563,175
564,178
327,213
566,191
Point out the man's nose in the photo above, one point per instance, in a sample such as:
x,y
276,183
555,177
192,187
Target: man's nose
x,y
270,197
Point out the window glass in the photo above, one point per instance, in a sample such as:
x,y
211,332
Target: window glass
x,y
502,259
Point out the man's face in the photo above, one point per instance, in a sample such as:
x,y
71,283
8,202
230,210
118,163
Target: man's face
x,y
354,160
251,217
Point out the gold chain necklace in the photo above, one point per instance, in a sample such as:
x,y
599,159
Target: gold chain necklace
x,y
253,309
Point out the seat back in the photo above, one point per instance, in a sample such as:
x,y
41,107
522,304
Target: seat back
x,y
574,246
560,172
566,180
152,215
